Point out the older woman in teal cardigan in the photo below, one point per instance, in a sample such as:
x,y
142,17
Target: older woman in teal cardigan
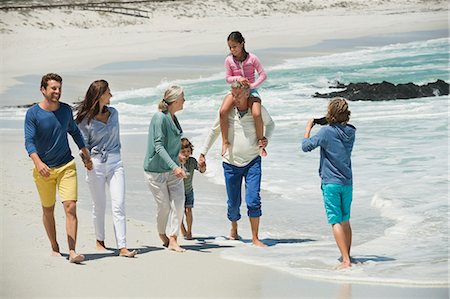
x,y
162,167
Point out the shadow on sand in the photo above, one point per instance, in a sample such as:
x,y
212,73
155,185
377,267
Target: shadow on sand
x,y
273,242
205,244
114,252
268,241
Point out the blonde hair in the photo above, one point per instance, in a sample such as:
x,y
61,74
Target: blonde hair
x,y
237,84
338,111
170,95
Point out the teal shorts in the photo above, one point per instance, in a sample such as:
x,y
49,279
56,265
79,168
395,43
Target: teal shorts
x,y
254,93
337,200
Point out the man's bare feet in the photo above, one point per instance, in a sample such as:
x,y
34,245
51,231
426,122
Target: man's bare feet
x,y
343,265
234,231
126,253
234,235
165,239
55,253
100,245
352,260
55,250
173,245
75,257
225,146
258,243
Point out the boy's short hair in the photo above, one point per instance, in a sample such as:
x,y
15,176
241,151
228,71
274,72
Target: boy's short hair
x,y
338,111
185,143
48,77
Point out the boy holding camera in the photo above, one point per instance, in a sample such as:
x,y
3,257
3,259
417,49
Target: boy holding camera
x,y
336,143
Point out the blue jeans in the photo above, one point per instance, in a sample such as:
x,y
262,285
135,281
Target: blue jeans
x,y
189,199
233,181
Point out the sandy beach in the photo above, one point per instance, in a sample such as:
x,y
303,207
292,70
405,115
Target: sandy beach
x,y
28,270
83,46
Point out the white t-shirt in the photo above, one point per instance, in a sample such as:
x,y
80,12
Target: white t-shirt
x,y
241,135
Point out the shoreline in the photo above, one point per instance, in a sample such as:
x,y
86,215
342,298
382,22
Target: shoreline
x,y
210,65
21,213
78,54
134,56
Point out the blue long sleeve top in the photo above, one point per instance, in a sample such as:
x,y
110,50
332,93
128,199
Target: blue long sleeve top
x,y
164,143
100,138
336,145
46,134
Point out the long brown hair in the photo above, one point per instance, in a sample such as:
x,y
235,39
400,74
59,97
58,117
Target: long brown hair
x,y
90,106
237,37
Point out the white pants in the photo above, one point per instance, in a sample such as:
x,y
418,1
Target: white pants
x,y
110,173
168,191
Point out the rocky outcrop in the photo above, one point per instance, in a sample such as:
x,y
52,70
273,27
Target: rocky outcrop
x,y
386,91
22,106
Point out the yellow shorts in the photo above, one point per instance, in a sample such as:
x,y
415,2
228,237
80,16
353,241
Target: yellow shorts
x,y
63,177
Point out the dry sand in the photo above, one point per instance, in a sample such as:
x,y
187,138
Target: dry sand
x,y
74,43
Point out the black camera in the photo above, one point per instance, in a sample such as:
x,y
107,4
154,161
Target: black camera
x,y
321,121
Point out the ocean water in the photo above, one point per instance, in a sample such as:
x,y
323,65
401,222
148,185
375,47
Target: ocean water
x,y
400,164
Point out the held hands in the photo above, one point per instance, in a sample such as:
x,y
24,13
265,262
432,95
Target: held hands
x,y
262,143
202,162
179,173
86,158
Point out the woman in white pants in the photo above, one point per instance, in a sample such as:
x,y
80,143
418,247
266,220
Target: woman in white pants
x,y
162,167
99,125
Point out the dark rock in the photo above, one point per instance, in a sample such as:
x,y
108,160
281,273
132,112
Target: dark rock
x,y
385,91
72,105
22,106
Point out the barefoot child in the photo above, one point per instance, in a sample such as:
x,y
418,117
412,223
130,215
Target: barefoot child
x,y
189,164
241,66
336,143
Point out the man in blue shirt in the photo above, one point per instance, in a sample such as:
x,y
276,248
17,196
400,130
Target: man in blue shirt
x,y
46,128
336,143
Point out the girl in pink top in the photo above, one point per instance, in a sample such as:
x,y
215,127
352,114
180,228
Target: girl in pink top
x,y
241,66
